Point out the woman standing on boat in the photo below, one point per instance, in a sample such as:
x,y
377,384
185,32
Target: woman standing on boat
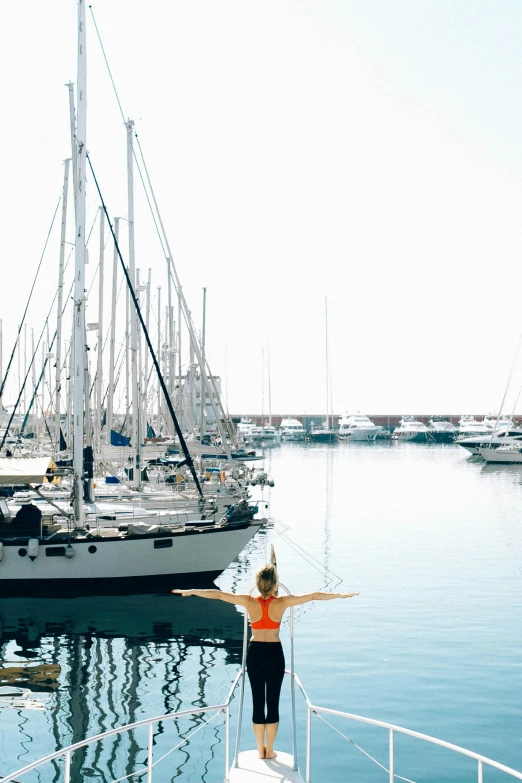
x,y
265,659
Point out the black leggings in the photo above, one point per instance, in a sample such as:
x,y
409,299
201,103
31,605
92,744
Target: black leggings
x,y
266,669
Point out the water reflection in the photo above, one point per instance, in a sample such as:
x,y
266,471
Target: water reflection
x,y
110,660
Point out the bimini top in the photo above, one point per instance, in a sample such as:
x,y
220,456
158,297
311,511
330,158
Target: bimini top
x,y
265,623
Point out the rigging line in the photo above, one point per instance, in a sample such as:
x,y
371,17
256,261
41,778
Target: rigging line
x,y
508,384
318,565
136,135
42,374
361,749
20,394
29,299
164,389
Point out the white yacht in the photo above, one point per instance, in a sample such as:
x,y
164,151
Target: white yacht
x,y
267,435
502,437
411,430
470,427
245,427
441,429
292,429
357,427
492,421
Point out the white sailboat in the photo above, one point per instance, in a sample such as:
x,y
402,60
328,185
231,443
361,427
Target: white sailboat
x,y
63,550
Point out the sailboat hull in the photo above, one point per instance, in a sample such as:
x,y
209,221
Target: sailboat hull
x,y
101,564
323,437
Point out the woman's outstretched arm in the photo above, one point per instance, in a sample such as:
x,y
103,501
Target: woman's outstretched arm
x,y
218,595
296,600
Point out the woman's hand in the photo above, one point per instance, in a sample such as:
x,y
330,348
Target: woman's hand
x,y
348,595
184,593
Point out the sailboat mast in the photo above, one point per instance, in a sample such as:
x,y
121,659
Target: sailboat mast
x,y
158,423
269,388
79,275
133,323
146,367
59,305
99,363
326,359
202,384
110,392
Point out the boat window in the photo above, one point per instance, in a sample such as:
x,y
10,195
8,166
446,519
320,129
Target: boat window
x,y
163,543
55,551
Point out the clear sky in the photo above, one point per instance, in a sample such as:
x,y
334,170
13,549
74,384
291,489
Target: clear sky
x,y
365,150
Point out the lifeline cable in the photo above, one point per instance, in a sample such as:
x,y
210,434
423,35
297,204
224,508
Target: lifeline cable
x,y
134,298
378,763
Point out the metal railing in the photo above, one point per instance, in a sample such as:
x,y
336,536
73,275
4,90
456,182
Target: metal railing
x,y
66,753
392,730
217,709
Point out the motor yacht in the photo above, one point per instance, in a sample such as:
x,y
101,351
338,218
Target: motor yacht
x,y
470,427
357,427
292,429
245,427
501,438
492,421
267,435
412,430
441,429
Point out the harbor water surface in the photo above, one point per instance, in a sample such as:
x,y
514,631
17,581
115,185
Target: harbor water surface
x,y
431,538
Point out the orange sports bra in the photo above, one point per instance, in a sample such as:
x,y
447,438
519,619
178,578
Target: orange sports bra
x,y
265,623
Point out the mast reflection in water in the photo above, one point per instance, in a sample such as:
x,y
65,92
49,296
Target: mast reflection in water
x,y
111,660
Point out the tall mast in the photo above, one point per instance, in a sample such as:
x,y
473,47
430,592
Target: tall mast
x,y
25,368
99,368
159,360
202,384
136,435
180,383
79,285
269,388
59,306
110,393
1,368
146,362
72,125
262,385
326,360
170,355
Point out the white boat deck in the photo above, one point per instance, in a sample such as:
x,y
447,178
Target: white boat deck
x,y
252,769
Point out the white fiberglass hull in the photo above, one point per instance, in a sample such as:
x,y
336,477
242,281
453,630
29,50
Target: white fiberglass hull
x,y
118,561
292,436
359,434
411,436
501,455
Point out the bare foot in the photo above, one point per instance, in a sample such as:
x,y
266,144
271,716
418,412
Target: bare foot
x,y
270,754
262,753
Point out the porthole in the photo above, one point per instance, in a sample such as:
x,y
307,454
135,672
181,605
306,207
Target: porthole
x,y
22,552
92,549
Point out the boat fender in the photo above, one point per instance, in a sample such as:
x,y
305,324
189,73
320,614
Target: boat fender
x,y
32,548
1,550
69,551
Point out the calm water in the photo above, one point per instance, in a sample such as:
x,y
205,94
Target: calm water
x,y
431,539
